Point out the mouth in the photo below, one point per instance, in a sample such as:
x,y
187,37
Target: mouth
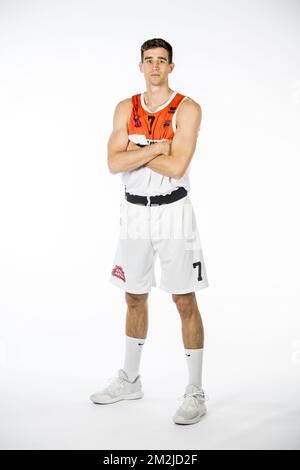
x,y
155,75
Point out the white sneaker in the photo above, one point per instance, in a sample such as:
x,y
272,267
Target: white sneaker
x,y
193,406
119,389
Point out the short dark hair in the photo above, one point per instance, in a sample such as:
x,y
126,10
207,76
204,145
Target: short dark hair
x,y
157,42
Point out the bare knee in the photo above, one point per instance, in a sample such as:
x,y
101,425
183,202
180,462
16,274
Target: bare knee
x,y
185,304
136,300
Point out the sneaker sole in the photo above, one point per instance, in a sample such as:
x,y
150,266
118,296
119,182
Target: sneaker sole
x,y
132,396
180,420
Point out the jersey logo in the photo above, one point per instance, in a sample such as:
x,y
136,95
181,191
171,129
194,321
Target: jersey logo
x,y
118,272
167,123
137,122
172,109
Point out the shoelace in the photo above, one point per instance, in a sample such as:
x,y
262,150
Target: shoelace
x,y
194,395
113,380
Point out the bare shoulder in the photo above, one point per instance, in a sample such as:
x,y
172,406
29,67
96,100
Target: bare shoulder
x,y
189,111
123,109
190,104
125,102
124,105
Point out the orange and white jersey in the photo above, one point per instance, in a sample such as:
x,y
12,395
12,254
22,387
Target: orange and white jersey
x,y
147,127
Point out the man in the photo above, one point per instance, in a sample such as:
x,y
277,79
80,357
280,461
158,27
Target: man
x,y
161,126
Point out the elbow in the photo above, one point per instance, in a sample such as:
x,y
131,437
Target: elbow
x,y
178,174
111,165
177,169
112,170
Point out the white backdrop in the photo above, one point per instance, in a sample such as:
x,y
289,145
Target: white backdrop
x,y
64,67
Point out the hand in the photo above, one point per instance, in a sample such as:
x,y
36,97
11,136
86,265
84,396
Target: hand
x,y
165,146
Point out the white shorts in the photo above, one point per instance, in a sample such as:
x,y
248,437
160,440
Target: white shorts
x,y
169,230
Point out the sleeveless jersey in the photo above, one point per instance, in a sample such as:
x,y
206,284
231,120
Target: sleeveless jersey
x,y
146,127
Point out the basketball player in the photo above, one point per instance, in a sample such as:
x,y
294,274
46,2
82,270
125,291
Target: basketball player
x,y
153,141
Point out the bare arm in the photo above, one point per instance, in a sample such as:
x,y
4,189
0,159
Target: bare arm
x,y
183,144
118,158
163,163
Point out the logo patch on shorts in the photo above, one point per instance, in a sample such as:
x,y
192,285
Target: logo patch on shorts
x,y
118,272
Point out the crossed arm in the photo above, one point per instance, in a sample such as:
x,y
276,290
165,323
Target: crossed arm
x,y
183,144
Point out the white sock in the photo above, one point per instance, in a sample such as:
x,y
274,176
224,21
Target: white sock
x,y
194,361
133,353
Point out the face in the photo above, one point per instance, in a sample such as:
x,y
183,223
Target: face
x,y
155,66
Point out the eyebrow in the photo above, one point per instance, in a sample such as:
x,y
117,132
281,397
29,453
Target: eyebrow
x,y
159,57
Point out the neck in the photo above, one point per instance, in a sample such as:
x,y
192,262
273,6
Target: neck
x,y
156,96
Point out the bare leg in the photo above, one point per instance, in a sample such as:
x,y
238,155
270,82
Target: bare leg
x,y
137,315
192,327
